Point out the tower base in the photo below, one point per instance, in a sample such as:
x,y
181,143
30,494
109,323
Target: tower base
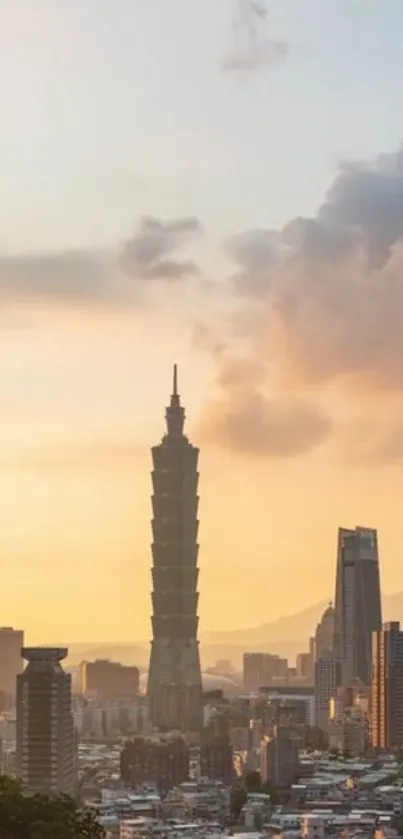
x,y
174,685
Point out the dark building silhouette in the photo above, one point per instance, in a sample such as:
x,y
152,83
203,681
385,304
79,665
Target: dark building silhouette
x,y
174,681
11,644
216,760
279,760
164,763
46,743
324,636
109,679
357,602
387,687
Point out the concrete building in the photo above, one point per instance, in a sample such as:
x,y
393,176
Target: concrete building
x,y
260,668
348,733
279,760
216,760
305,665
174,684
327,680
357,602
45,733
387,687
162,762
324,635
109,679
11,644
293,695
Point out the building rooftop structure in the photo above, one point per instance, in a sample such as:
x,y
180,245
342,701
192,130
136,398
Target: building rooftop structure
x,y
44,653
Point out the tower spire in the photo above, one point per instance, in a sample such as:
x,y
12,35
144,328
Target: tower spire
x,y
175,414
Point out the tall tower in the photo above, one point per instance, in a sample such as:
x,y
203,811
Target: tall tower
x,y
174,680
357,602
387,687
45,731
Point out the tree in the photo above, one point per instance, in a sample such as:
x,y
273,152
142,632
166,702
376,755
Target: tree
x,y
40,817
237,799
269,789
253,782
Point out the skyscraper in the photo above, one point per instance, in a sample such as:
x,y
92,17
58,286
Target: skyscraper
x,y
45,733
11,643
174,681
327,680
324,636
387,687
357,602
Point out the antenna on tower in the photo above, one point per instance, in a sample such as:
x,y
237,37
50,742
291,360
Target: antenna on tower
x,y
175,381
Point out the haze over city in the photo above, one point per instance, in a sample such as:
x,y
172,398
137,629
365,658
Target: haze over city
x,y
196,183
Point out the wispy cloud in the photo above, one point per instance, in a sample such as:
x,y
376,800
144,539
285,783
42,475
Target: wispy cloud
x,y
252,45
82,277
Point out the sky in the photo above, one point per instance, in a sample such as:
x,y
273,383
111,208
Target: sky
x,y
217,184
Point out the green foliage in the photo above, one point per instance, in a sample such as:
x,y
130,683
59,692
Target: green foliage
x,y
268,789
253,782
237,800
40,817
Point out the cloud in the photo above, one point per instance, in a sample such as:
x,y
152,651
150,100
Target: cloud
x,y
75,275
317,308
330,288
82,277
244,418
252,47
147,255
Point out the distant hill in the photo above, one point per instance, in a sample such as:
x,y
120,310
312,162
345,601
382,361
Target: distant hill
x,y
285,636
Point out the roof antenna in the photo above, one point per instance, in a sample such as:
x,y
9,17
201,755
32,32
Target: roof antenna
x,y
175,382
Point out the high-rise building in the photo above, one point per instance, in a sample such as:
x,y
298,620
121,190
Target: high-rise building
x,y
11,644
324,636
279,757
387,687
45,732
327,680
305,665
217,760
260,668
174,683
357,602
109,679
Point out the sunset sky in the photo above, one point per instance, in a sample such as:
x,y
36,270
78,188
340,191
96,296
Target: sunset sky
x,y
181,182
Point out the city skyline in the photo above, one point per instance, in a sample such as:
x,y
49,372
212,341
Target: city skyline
x,y
233,206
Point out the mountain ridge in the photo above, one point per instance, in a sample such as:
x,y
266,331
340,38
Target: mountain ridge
x,y
285,636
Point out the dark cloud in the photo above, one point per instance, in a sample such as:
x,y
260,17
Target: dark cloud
x,y
92,277
148,254
252,47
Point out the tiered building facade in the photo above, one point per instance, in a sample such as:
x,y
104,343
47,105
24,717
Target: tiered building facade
x,y
174,681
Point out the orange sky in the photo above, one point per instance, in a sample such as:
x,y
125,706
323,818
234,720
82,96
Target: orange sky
x,y
82,400
211,205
